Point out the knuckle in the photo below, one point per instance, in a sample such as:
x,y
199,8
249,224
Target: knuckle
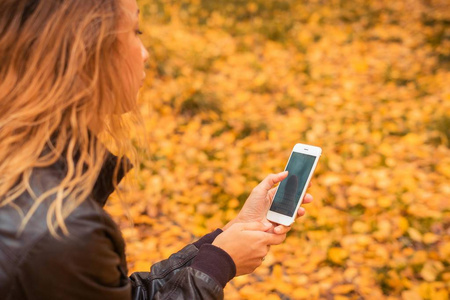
x,y
253,247
257,264
255,189
239,225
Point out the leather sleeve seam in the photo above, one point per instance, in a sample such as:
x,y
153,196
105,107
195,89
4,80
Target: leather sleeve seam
x,y
173,268
174,287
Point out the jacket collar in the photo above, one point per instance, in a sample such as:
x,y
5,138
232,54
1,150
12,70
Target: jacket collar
x,y
104,186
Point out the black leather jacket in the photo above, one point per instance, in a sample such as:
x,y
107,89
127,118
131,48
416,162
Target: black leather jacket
x,y
90,263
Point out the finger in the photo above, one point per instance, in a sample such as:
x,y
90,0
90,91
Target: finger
x,y
265,251
281,229
274,239
262,251
271,193
307,199
301,212
256,226
272,179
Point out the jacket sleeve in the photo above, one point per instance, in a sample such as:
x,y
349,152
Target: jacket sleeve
x,y
90,264
198,271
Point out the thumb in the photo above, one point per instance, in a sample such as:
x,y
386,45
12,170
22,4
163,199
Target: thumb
x,y
256,226
272,179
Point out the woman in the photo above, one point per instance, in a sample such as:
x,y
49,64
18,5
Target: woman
x,y
68,70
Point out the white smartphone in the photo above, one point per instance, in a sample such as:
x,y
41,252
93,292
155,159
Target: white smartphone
x,y
292,189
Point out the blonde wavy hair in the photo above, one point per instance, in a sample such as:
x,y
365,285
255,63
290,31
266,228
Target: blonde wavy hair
x,y
59,77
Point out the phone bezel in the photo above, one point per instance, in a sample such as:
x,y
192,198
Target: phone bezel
x,y
303,149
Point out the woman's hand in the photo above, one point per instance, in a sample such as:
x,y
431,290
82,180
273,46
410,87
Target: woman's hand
x,y
259,202
247,244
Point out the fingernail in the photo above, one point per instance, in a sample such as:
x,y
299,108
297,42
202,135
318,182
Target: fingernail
x,y
267,224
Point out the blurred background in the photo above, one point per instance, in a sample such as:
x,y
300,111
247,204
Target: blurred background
x,y
233,85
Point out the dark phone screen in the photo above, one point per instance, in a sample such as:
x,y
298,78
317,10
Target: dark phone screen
x,y
291,188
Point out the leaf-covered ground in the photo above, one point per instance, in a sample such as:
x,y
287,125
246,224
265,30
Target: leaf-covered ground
x,y
233,85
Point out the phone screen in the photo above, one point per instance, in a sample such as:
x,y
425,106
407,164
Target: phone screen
x,y
291,188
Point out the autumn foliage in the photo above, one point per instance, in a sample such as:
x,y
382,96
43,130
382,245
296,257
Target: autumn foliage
x,y
233,85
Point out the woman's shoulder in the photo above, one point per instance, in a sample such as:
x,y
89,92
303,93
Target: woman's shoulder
x,y
93,250
87,225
